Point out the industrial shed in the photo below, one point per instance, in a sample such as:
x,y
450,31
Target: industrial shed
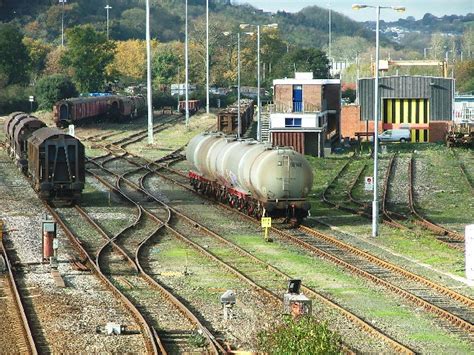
x,y
423,104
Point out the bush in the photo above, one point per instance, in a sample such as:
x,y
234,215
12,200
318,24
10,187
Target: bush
x,y
160,99
15,98
304,335
53,88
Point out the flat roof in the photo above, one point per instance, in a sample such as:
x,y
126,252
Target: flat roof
x,y
293,81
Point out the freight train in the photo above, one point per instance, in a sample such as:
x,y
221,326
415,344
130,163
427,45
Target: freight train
x,y
193,106
227,119
74,110
52,160
254,177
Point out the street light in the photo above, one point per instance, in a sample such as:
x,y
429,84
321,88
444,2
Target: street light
x,y
107,8
238,82
62,23
330,28
375,202
148,74
186,62
207,56
243,26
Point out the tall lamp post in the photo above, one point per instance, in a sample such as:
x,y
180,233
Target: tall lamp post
x,y
239,125
62,22
330,31
207,56
148,74
375,202
245,25
186,62
107,8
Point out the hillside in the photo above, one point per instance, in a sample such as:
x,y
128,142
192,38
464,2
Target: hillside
x,y
42,19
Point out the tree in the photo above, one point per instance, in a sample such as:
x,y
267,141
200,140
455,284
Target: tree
x,y
38,52
53,88
438,45
88,53
302,335
164,67
130,60
14,59
304,60
468,42
53,62
465,76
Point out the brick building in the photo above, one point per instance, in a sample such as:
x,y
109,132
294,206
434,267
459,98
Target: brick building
x,y
305,113
422,104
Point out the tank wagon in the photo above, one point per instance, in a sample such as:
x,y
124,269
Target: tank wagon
x,y
74,110
256,178
193,106
53,161
227,119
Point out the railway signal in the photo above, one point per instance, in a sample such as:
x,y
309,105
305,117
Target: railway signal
x,y
369,183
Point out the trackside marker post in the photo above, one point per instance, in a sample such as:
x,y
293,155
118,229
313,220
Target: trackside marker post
x,y
469,250
266,223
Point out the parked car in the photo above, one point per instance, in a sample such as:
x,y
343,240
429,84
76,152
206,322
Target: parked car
x,y
395,135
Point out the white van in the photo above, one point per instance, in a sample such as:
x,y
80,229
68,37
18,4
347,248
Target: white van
x,y
395,135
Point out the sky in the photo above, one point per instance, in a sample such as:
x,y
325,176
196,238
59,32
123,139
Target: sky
x,y
415,8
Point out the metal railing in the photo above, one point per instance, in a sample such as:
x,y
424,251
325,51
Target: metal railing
x,y
282,107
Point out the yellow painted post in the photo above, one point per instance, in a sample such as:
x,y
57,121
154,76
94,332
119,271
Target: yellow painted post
x,y
405,111
397,110
389,111
266,223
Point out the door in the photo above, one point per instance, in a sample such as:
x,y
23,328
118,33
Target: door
x,y
411,112
297,98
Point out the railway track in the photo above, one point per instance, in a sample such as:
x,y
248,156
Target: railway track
x,y
363,209
87,250
318,297
462,167
133,242
454,308
205,238
17,334
451,238
457,322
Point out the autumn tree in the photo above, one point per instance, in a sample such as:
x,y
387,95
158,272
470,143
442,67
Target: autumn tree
x,y
88,53
53,63
129,61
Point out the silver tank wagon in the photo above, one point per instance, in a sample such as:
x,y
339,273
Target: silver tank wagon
x,y
251,176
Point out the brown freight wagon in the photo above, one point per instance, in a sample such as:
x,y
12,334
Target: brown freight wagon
x,y
227,119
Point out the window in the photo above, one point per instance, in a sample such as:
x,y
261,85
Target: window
x,y
292,122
